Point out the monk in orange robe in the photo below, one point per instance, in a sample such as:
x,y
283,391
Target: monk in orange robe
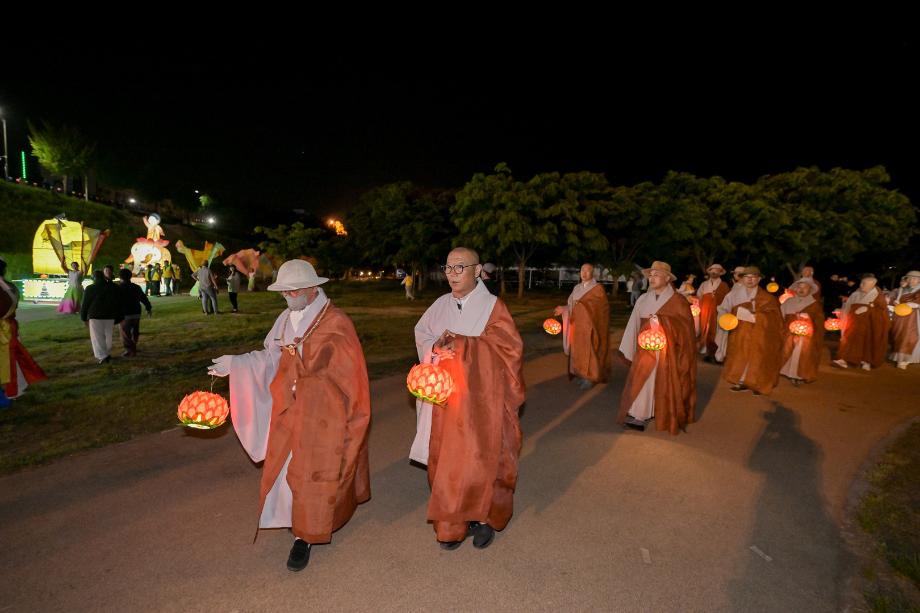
x,y
755,346
661,385
864,334
471,445
302,404
711,293
586,330
801,354
905,329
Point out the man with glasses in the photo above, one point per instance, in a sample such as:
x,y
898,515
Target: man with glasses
x,y
470,445
302,404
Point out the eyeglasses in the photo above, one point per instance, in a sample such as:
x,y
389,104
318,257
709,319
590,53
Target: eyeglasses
x,y
456,268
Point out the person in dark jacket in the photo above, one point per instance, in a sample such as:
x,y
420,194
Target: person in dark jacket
x,y
132,297
100,311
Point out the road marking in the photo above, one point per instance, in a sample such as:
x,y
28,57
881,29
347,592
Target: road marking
x,y
757,550
646,555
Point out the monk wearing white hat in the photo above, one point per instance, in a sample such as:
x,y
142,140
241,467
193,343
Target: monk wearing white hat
x,y
302,404
711,293
755,346
802,352
661,383
905,325
864,333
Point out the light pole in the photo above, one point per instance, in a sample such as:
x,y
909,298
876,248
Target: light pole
x,y
6,155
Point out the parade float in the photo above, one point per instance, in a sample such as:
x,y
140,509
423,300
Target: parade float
x,y
150,250
57,243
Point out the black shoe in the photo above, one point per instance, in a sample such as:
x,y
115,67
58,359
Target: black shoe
x,y
635,424
483,535
738,388
709,359
756,393
450,545
299,556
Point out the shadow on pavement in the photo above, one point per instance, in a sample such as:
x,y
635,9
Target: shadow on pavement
x,y
802,574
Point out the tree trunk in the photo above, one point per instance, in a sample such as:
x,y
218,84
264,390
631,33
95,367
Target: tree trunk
x,y
521,274
502,290
86,187
65,185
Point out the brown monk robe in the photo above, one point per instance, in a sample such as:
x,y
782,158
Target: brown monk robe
x,y
710,299
905,329
660,384
864,338
803,365
755,349
476,439
586,323
324,429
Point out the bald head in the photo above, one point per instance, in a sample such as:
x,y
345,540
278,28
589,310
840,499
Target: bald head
x,y
468,255
586,273
466,260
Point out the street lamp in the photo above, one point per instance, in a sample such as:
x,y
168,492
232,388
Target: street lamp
x,y
212,221
6,155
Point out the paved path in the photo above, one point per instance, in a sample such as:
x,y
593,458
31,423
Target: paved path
x,y
740,514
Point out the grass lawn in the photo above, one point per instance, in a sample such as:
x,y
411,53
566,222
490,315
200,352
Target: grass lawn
x,y
890,513
84,405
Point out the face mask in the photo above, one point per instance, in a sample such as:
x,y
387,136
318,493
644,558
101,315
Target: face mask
x,y
297,303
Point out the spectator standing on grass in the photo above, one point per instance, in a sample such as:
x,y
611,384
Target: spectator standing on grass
x,y
132,297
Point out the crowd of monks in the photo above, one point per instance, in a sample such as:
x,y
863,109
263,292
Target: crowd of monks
x,y
301,403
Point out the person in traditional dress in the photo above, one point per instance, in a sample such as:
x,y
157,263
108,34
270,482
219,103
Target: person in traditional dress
x,y
471,445
802,353
808,272
686,288
586,330
73,296
302,404
905,329
711,293
721,337
17,368
661,385
755,346
865,325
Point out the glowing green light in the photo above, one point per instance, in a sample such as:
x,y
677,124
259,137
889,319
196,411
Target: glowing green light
x,y
22,156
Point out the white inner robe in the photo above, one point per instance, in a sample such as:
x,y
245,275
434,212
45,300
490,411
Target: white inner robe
x,y
914,356
444,315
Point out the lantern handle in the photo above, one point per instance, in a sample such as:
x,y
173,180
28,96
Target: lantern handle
x,y
213,381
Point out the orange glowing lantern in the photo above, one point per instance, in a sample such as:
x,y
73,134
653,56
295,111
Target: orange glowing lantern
x,y
728,322
801,327
430,382
552,326
786,296
903,310
653,339
203,410
772,287
695,310
832,324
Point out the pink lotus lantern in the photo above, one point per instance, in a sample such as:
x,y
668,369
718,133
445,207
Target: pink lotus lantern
x,y
653,339
430,383
203,410
801,327
832,324
552,326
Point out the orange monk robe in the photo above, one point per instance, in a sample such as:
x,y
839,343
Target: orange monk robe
x,y
673,396
586,323
710,299
905,330
864,337
476,438
755,350
801,354
320,417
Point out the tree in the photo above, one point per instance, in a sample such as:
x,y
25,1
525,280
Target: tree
x,y
498,215
291,242
63,151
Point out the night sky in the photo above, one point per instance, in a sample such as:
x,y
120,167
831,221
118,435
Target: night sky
x,y
294,126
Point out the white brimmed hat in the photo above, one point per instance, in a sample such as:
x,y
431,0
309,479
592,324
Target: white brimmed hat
x,y
296,274
661,267
913,273
716,267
